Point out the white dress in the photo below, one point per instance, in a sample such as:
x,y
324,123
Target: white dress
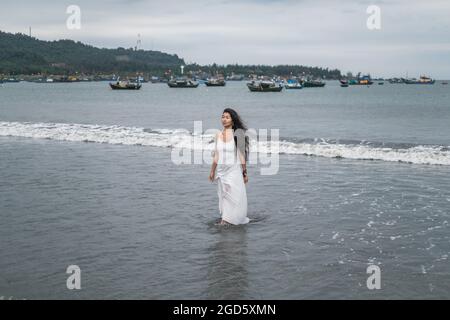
x,y
231,187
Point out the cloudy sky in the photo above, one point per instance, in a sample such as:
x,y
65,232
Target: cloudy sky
x,y
414,35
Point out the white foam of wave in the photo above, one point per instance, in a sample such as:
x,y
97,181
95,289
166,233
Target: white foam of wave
x,y
180,138
96,133
418,154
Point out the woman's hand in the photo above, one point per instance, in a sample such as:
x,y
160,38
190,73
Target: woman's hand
x,y
212,175
245,179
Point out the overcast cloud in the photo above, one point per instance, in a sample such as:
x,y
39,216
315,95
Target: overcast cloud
x,y
414,35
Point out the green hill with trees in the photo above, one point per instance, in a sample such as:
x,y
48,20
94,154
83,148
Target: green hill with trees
x,y
22,54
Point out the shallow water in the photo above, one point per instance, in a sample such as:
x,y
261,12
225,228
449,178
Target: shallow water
x,y
140,226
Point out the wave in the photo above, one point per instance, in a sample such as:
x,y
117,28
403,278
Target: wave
x,y
180,138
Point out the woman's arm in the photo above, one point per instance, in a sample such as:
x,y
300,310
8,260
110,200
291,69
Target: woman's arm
x,y
244,166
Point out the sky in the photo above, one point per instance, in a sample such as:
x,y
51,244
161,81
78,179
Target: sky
x,y
413,39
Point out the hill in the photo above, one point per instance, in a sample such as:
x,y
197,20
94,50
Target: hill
x,y
21,54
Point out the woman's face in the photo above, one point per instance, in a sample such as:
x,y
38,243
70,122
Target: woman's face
x,y
226,120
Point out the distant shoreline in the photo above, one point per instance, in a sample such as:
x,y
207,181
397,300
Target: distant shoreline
x,y
24,55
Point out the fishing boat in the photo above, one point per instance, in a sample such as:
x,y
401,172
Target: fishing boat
x,y
215,82
11,80
125,85
421,80
308,83
139,79
445,83
396,80
344,83
361,81
293,84
235,77
182,83
264,86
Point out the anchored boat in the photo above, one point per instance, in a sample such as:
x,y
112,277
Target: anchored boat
x,y
344,83
264,86
396,80
422,80
215,82
293,84
360,81
313,83
235,77
182,83
11,80
125,85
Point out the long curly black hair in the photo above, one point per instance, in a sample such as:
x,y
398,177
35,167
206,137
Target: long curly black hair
x,y
241,140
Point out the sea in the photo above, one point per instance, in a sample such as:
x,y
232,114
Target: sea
x,y
357,208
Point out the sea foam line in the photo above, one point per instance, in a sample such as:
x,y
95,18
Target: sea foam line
x,y
180,138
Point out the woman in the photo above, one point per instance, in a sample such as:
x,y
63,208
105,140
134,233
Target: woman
x,y
230,160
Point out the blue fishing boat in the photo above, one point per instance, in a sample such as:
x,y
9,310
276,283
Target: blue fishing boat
x,y
360,81
293,84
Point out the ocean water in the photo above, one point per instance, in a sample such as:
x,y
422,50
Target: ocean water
x,y
86,178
